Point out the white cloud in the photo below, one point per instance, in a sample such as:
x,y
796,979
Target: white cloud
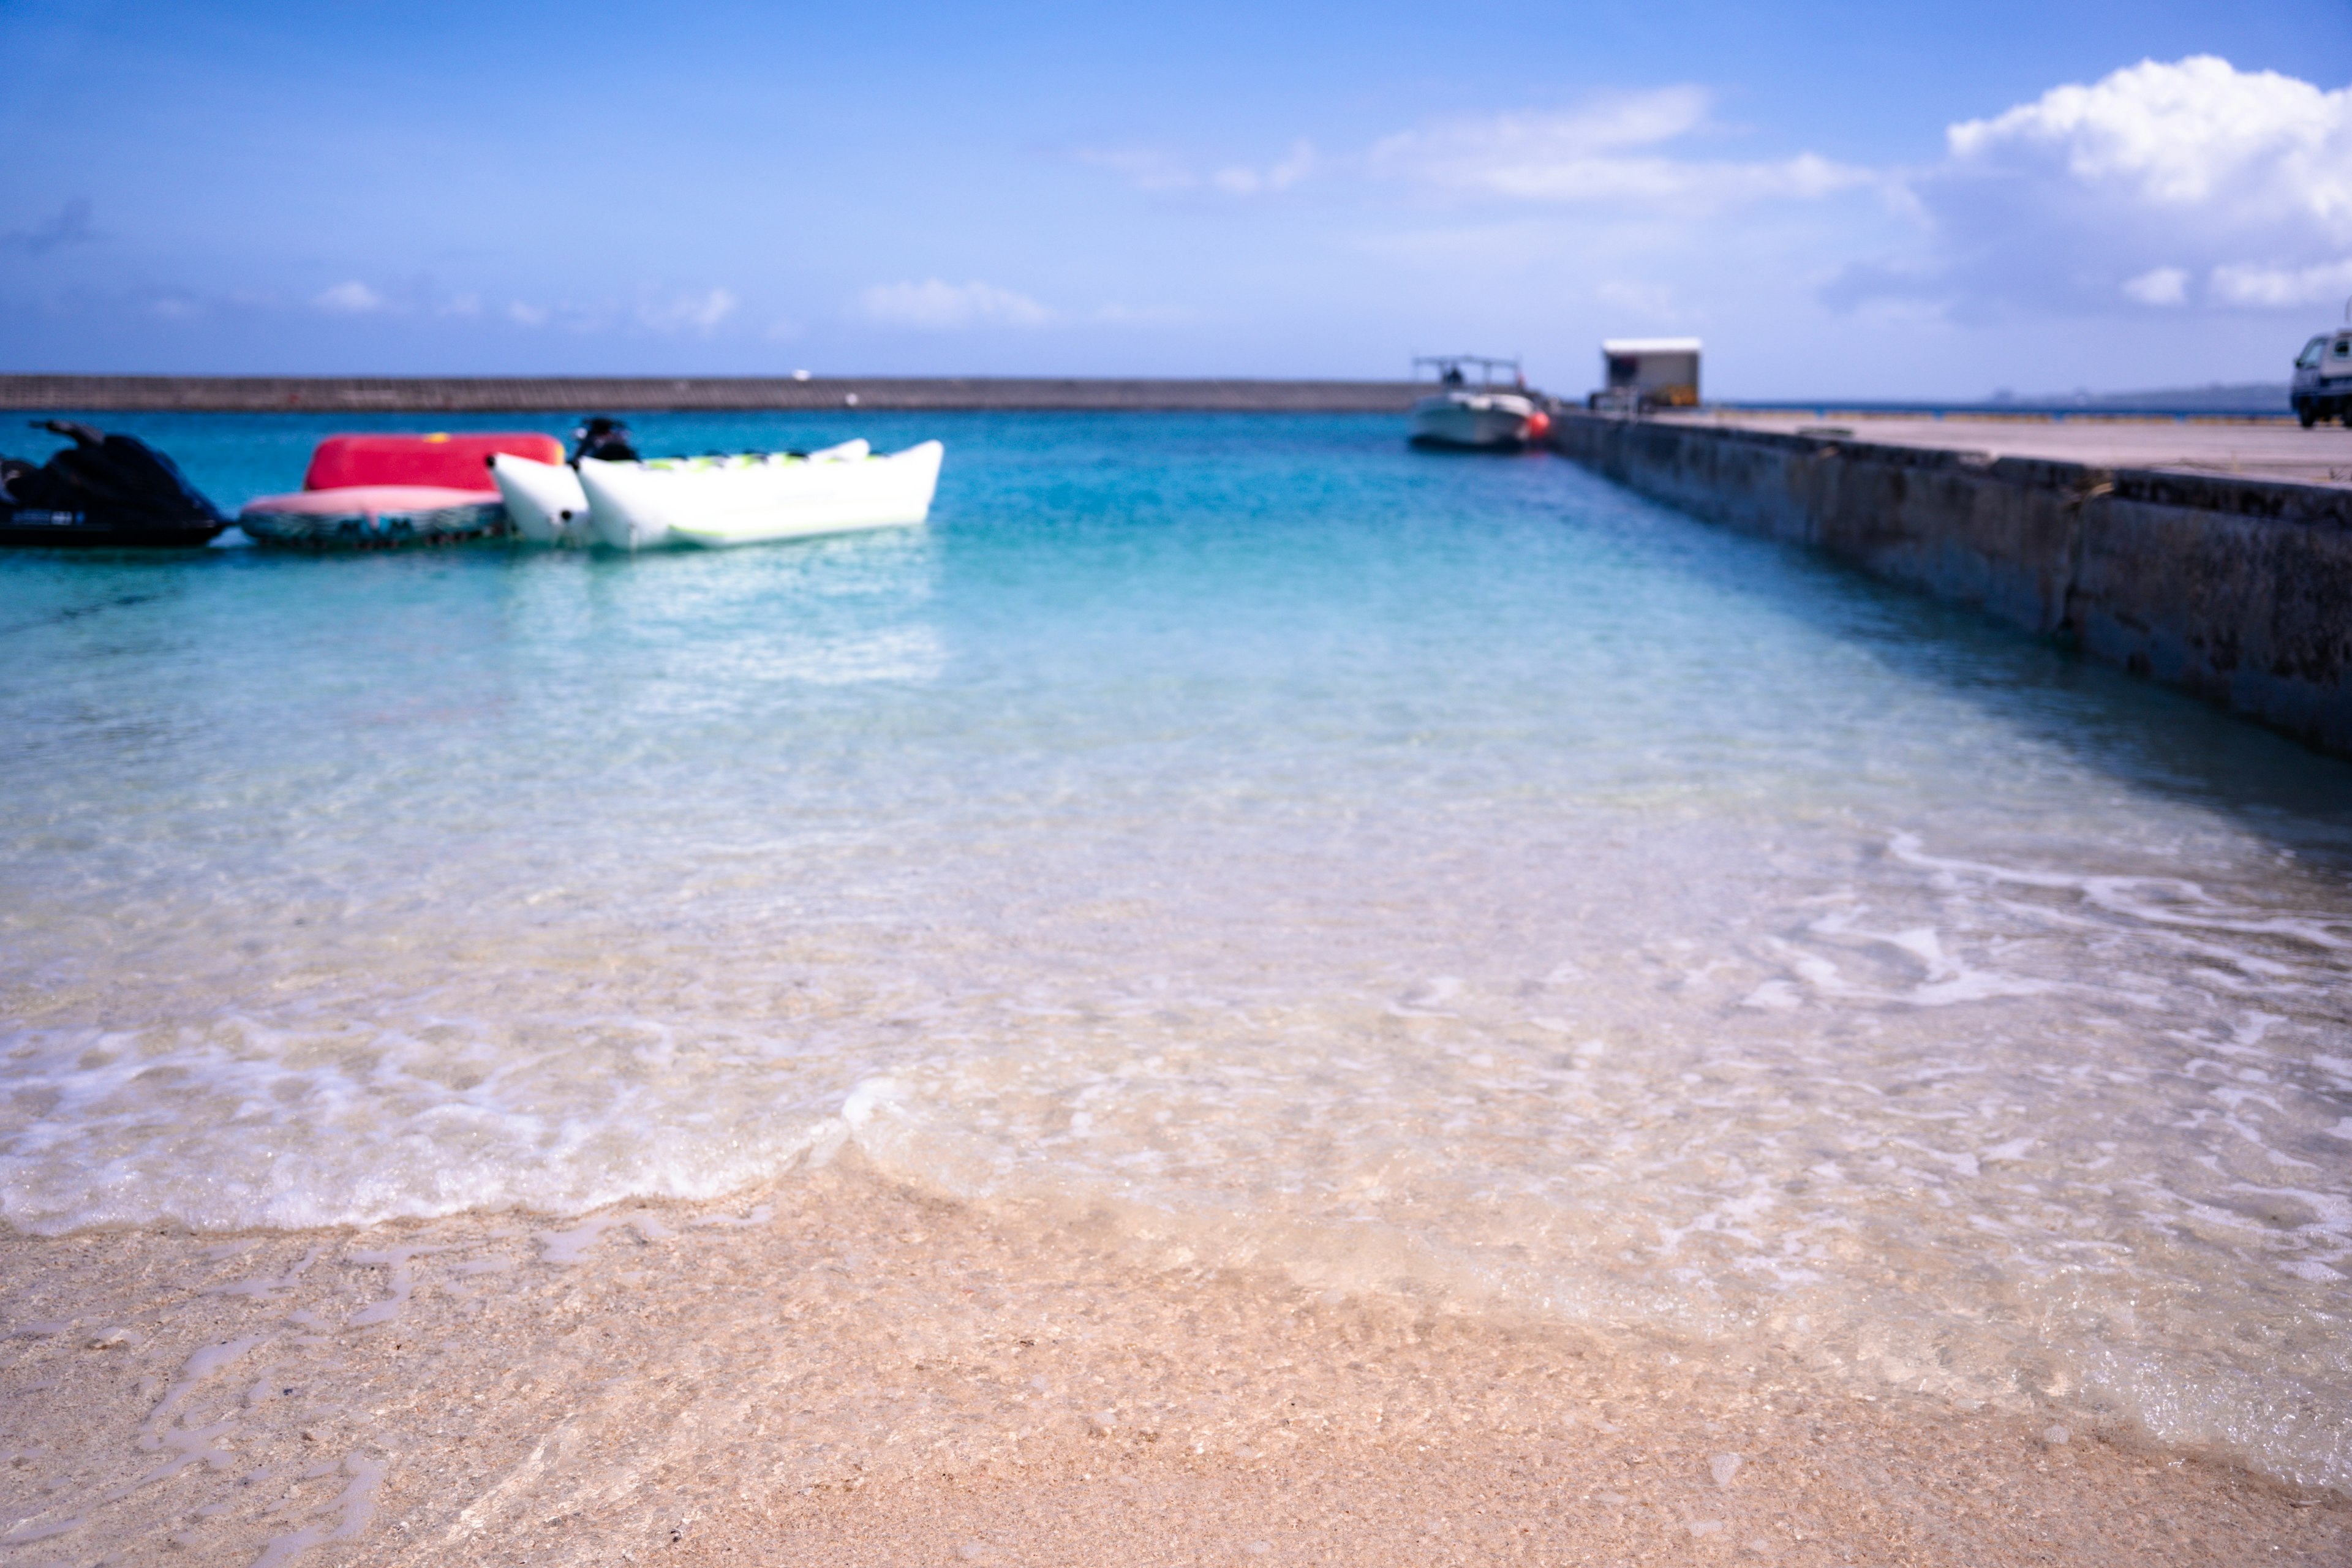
x,y
1611,150
581,320
1145,168
2196,136
1653,301
689,312
405,297
2279,288
1241,181
353,298
2159,286
936,306
1118,315
1150,169
2128,188
1607,152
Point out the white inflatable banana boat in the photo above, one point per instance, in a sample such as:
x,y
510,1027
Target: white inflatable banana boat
x,y
544,501
723,501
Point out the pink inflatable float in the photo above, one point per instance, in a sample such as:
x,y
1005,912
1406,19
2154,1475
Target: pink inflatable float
x,y
394,489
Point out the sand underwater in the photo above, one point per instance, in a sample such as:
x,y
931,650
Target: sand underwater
x,y
1247,994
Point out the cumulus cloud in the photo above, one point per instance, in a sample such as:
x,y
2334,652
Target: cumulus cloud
x,y
2159,286
1145,168
351,297
2195,136
2161,185
700,312
1652,302
1150,169
2278,287
417,296
1239,180
1118,315
1611,151
936,306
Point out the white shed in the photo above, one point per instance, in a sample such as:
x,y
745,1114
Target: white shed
x,y
1656,373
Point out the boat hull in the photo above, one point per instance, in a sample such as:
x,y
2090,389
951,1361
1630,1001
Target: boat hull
x,y
1472,419
720,502
44,528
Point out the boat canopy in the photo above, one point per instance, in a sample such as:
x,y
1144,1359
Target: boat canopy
x,y
1449,369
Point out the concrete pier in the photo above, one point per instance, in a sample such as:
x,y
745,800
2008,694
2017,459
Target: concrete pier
x,y
2269,448
2214,557
641,395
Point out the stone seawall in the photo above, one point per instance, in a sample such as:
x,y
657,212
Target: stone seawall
x,y
2237,589
639,394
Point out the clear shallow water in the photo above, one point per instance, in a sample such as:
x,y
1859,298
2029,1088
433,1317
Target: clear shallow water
x,y
1402,872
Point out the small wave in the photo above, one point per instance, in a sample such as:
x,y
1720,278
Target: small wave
x,y
2155,900
1866,1337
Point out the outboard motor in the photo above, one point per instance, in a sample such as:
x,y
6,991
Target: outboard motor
x,y
102,490
606,440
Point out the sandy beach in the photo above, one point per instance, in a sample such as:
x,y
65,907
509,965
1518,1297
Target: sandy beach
x,y
1245,993
843,1371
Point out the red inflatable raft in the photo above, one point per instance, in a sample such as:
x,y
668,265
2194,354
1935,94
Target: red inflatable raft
x,y
395,489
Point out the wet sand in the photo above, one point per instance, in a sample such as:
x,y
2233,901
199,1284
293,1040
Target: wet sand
x,y
841,1371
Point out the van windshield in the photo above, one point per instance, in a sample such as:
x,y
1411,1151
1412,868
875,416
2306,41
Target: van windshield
x,y
2311,353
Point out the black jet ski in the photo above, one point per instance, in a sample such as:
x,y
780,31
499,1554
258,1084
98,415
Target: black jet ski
x,y
103,490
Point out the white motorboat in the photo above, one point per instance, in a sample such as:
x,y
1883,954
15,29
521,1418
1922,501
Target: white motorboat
x,y
1473,419
1461,414
758,497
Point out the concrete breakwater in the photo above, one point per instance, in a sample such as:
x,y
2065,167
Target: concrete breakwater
x,y
631,394
2237,588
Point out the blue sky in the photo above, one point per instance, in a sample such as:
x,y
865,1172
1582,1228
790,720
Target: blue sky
x,y
1843,200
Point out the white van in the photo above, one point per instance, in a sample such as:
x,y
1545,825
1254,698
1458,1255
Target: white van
x,y
2323,379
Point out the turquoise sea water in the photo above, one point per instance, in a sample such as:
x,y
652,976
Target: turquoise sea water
x,y
1399,872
